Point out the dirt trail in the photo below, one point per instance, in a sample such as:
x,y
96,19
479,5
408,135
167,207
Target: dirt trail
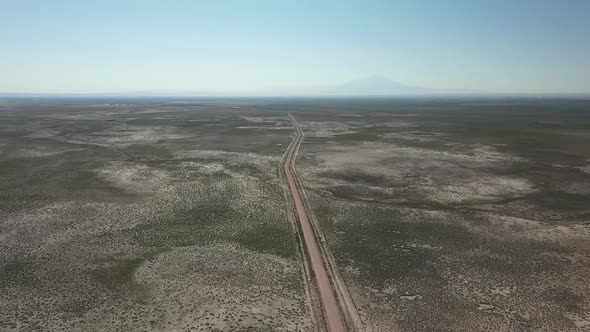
x,y
320,267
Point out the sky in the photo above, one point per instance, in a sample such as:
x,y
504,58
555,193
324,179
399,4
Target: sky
x,y
513,46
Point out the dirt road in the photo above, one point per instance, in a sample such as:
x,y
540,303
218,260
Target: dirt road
x,y
331,309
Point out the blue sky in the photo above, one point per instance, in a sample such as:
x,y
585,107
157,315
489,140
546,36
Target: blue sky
x,y
240,46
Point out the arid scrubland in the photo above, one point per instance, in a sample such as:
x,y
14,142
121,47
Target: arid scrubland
x,y
442,215
457,215
146,216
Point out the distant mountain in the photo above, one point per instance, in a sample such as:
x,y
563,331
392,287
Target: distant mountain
x,y
376,85
368,86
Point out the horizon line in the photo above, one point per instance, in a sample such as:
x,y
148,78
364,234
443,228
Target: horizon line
x,y
245,95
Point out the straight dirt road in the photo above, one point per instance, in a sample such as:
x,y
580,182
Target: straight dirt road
x,y
331,310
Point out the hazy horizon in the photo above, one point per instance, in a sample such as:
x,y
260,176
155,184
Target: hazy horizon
x,y
250,48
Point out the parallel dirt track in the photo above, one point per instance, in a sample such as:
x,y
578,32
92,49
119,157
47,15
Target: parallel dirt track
x,y
331,309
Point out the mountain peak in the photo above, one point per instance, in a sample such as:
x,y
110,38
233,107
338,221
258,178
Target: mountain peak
x,y
374,78
378,85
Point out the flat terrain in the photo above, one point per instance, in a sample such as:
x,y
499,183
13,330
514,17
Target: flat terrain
x,y
118,215
455,215
161,215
